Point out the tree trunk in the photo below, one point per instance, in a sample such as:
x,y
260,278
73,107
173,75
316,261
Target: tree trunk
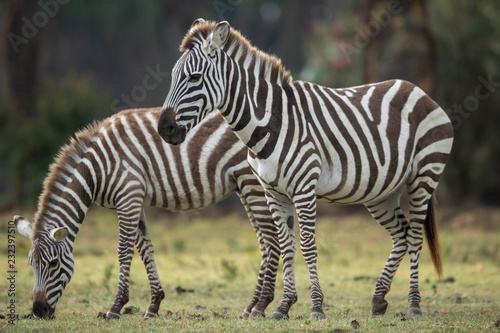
x,y
20,45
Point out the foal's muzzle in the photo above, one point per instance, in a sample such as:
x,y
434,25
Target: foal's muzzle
x,y
41,309
168,128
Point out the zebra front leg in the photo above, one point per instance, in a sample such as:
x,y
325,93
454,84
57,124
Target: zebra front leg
x,y
389,215
283,216
306,212
128,223
145,248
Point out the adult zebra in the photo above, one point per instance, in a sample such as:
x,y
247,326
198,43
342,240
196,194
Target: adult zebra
x,y
123,163
306,142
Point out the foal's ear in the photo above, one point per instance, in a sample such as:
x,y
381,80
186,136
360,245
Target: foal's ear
x,y
196,22
23,226
219,36
58,234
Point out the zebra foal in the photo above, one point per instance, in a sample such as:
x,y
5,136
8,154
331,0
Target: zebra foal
x,y
358,145
122,163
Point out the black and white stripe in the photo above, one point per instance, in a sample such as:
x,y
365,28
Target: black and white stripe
x,y
359,145
122,163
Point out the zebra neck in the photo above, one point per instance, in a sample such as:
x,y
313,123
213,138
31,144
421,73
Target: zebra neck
x,y
61,211
65,201
254,107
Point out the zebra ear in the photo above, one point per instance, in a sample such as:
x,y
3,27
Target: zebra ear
x,y
23,226
219,36
196,22
58,234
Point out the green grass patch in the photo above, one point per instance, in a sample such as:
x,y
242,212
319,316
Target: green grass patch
x,y
219,260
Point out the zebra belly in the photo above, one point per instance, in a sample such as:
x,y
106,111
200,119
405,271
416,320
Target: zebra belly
x,y
354,185
357,187
187,205
185,197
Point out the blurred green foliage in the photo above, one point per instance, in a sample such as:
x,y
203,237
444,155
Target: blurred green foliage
x,y
331,58
466,35
112,42
29,145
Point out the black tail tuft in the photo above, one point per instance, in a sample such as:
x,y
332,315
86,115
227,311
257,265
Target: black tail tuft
x,y
432,237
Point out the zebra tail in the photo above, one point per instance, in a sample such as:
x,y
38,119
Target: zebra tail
x,y
432,237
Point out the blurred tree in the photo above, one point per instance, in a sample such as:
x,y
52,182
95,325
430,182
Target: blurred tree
x,y
91,53
467,35
449,48
333,57
28,145
20,45
398,42
39,111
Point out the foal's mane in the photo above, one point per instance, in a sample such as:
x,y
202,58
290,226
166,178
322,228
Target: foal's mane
x,y
65,162
200,32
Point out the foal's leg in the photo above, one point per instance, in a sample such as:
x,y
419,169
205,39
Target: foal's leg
x,y
129,222
283,216
306,212
145,248
389,215
258,212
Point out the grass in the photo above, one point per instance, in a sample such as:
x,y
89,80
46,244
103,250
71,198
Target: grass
x,y
219,260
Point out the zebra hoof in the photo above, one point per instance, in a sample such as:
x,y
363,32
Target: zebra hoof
x,y
317,316
257,314
111,315
414,310
148,315
245,314
279,316
379,307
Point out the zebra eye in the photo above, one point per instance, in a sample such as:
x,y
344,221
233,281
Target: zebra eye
x,y
194,77
53,263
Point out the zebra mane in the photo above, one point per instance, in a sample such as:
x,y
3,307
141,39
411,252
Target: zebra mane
x,y
60,171
238,47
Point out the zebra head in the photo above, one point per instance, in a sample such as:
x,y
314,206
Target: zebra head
x,y
197,86
52,263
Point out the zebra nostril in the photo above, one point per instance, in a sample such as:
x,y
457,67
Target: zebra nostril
x,y
171,130
40,309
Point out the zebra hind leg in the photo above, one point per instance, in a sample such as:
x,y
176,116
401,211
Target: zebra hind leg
x,y
389,215
145,248
421,214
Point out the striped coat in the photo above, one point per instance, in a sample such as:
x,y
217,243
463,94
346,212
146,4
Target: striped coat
x,y
359,145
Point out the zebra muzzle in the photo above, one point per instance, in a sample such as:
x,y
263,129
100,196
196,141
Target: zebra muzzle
x,y
169,130
42,309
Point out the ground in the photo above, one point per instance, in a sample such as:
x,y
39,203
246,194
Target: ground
x,y
208,265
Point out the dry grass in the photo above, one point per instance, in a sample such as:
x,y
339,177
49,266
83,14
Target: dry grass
x,y
219,261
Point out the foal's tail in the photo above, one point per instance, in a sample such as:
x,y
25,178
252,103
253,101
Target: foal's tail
x,y
432,237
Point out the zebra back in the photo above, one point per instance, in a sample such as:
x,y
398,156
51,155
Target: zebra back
x,y
196,174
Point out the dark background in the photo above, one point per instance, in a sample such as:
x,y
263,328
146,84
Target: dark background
x,y
64,63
